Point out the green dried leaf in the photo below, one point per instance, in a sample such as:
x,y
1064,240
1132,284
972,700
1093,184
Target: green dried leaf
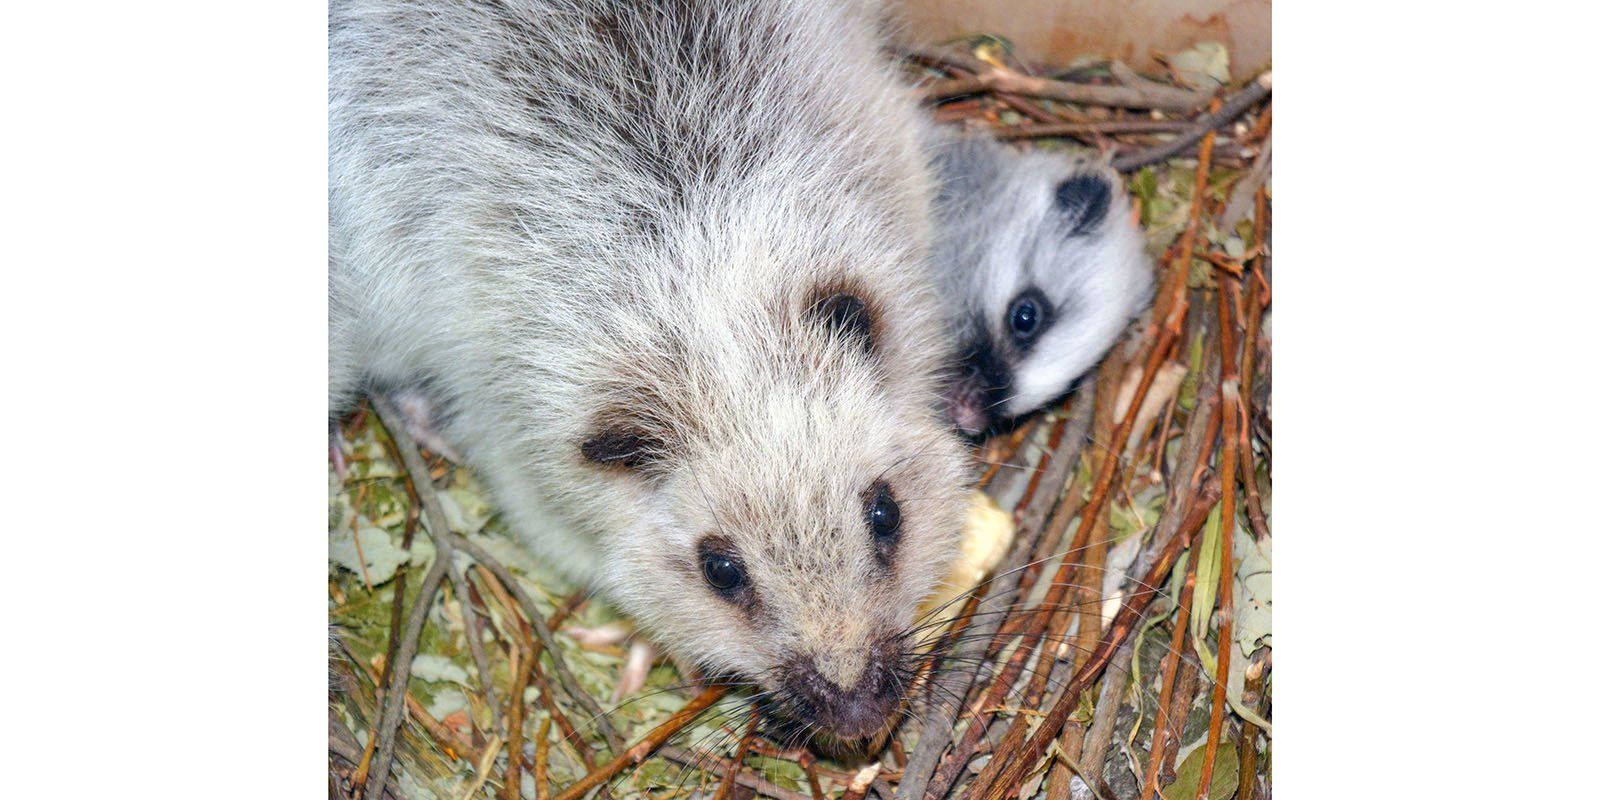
x,y
437,669
1209,553
383,557
1204,66
1252,611
780,771
1224,775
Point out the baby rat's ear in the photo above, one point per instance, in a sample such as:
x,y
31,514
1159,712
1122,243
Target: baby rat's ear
x,y
1084,198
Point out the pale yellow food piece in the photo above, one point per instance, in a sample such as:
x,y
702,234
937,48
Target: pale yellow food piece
x,y
985,539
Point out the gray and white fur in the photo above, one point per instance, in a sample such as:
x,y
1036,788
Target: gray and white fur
x,y
1046,263
659,269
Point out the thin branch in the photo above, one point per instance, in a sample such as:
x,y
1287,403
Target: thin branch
x,y
1048,130
541,762
999,79
1258,90
1227,290
939,721
652,740
1163,730
731,775
394,698
512,790
1003,773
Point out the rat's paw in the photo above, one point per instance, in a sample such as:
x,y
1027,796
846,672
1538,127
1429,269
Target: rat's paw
x,y
641,654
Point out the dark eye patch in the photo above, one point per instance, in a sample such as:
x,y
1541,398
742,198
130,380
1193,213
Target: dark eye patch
x,y
1085,199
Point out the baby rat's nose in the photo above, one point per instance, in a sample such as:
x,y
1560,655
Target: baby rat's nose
x,y
853,712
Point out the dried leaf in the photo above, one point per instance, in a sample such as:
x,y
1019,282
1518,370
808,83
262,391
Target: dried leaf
x,y
1204,66
383,557
1224,775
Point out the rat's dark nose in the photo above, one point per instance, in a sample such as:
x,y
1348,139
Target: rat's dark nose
x,y
854,712
978,397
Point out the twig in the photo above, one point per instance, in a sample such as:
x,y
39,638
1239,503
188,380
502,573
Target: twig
x,y
1252,329
444,564
523,641
1255,92
512,790
541,762
474,633
652,740
447,739
1097,742
1254,677
394,698
1162,731
1048,130
1000,773
1228,469
1245,190
731,775
1005,450
342,745
857,789
484,765
438,529
999,79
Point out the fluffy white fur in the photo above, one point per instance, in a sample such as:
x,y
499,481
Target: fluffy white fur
x,y
1001,231
558,217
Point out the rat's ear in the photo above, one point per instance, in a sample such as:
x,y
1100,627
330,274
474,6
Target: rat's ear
x,y
1084,198
845,308
633,435
627,448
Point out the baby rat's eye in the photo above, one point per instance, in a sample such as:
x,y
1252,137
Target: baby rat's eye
x,y
1028,316
723,573
883,515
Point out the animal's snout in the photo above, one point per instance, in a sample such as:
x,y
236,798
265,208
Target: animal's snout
x,y
848,712
979,395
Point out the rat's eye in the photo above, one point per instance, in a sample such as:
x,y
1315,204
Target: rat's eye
x,y
723,573
1028,316
883,515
